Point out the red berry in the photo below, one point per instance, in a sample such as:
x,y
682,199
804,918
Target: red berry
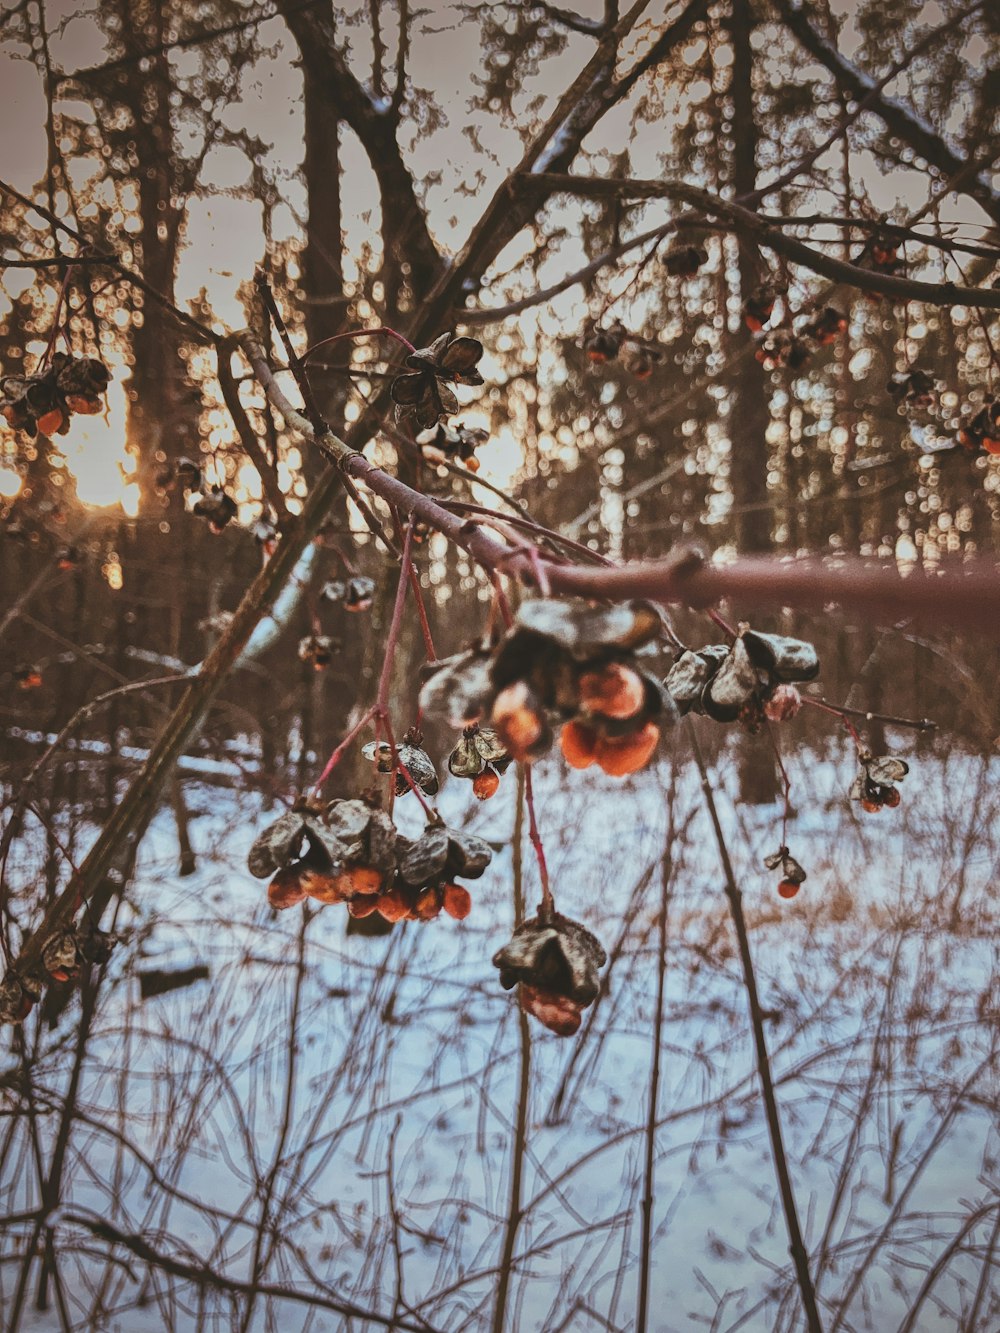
x,y
787,888
485,785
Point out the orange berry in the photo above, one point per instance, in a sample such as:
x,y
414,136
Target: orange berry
x,y
614,691
456,901
363,905
519,726
365,879
578,743
873,807
286,890
326,888
892,797
485,785
620,755
991,446
50,423
598,357
787,888
59,974
428,905
86,405
560,1014
472,464
392,905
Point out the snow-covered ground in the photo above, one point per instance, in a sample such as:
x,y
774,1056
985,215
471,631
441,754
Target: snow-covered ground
x,y
359,1096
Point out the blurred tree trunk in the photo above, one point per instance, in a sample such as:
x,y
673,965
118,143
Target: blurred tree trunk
x,y
749,413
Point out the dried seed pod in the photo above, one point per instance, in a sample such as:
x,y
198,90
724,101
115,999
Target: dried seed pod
x,y
216,506
585,631
458,688
684,261
603,345
555,963
16,999
95,946
758,308
265,534
874,785
790,868
27,676
916,388
61,957
982,430
479,747
442,854
452,444
317,650
188,474
425,394
826,327
782,348
416,760
278,846
640,361
357,593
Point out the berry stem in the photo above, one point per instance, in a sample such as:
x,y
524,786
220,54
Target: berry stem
x,y
50,347
392,642
418,597
382,329
724,625
334,759
547,907
915,724
785,781
842,714
400,767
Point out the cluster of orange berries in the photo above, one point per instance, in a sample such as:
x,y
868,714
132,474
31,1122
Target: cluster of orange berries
x,y
44,402
349,851
63,959
554,963
982,430
561,665
783,346
638,359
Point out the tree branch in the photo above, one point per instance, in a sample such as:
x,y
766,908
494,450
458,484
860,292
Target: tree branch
x,y
898,120
747,222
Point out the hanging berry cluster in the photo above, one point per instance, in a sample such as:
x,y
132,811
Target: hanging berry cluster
x,y
639,357
350,851
562,666
43,403
64,959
